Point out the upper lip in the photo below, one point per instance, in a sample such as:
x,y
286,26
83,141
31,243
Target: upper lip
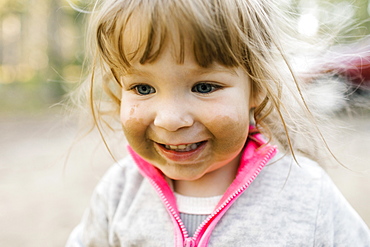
x,y
180,137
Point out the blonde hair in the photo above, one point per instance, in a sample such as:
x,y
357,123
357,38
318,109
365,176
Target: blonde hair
x,y
252,34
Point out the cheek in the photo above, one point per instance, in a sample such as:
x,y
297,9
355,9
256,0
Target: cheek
x,y
128,119
135,129
136,134
127,111
132,116
230,134
132,128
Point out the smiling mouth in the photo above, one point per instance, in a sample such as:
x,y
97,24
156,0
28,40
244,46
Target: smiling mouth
x,y
183,147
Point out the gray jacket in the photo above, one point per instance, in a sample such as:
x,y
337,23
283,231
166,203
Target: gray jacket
x,y
286,205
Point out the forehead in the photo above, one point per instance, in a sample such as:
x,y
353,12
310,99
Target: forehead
x,y
143,34
189,67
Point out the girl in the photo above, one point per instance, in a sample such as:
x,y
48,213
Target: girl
x,y
196,84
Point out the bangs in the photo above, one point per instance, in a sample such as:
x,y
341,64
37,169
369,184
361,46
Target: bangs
x,y
137,31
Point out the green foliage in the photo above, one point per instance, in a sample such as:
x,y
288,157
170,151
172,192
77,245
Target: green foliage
x,y
41,51
42,47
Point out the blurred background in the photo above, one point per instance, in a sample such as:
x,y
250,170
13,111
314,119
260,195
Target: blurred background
x,y
47,173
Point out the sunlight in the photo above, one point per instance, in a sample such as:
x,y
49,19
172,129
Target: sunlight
x,y
308,24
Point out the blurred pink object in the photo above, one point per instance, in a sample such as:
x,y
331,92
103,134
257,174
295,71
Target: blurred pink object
x,y
352,62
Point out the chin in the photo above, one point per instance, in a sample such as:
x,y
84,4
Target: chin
x,y
183,176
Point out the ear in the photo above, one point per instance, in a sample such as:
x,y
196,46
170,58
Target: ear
x,y
256,96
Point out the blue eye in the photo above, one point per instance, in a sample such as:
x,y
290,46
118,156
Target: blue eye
x,y
144,89
204,88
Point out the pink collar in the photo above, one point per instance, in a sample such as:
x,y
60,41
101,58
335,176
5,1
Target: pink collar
x,y
255,156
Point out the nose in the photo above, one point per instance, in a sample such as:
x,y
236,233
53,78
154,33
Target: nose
x,y
173,114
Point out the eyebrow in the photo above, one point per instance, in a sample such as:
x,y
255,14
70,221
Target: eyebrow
x,y
196,71
133,71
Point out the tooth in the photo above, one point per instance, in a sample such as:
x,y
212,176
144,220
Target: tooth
x,y
183,147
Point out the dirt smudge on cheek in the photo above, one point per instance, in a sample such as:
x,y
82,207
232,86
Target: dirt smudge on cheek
x,y
132,110
230,134
135,132
131,125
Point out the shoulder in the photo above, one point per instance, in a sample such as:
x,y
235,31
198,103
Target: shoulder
x,y
288,172
119,176
301,205
301,180
114,189
309,193
119,183
290,182
123,170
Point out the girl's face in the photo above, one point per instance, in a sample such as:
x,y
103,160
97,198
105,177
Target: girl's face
x,y
186,120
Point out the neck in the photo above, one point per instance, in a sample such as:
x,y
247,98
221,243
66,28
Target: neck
x,y
213,183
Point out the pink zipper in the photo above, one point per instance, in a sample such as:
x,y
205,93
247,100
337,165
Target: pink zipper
x,y
170,209
194,241
189,242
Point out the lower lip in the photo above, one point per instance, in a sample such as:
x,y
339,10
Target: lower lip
x,y
181,156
